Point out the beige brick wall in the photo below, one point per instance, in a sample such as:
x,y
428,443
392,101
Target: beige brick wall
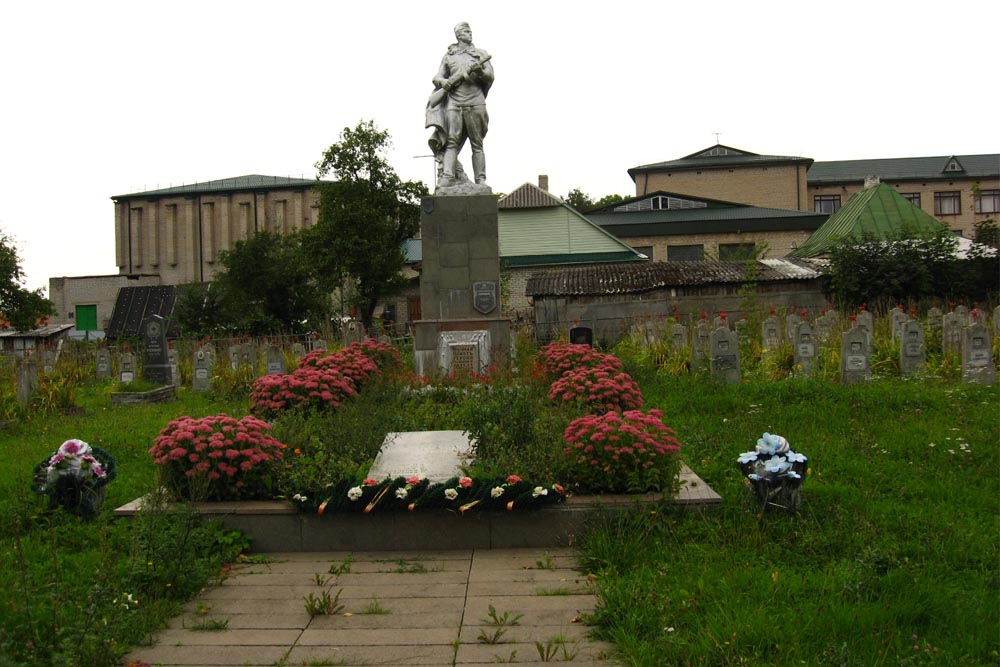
x,y
963,223
161,236
772,186
778,244
68,293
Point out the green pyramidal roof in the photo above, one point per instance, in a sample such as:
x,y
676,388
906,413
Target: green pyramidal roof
x,y
878,212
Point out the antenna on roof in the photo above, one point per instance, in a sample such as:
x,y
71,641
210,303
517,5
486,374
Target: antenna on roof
x,y
717,136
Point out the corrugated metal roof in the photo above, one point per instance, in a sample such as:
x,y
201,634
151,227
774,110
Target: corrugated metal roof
x,y
236,184
613,218
529,196
41,332
879,212
986,165
645,277
733,157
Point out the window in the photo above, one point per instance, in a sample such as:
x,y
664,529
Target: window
x,y
947,203
826,203
685,253
646,250
988,201
731,252
912,197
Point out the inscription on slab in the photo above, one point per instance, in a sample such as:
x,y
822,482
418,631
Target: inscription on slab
x,y
434,455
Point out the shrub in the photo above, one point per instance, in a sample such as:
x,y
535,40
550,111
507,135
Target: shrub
x,y
385,355
559,356
309,387
623,453
217,458
600,388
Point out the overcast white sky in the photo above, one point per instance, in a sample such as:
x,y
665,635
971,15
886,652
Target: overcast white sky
x,y
104,98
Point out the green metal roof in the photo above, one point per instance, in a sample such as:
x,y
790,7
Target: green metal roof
x,y
879,212
906,169
718,156
705,220
236,184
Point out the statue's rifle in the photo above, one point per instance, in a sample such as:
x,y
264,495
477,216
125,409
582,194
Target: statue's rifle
x,y
437,97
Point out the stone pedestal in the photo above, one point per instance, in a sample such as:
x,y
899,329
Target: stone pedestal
x,y
460,287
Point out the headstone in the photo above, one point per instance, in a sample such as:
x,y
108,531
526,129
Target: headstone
x,y
581,336
804,344
742,327
977,355
951,334
126,368
725,359
248,356
650,334
234,356
298,349
677,334
824,327
202,370
434,455
770,333
963,315
792,321
275,360
866,323
156,368
173,360
855,357
48,359
912,349
103,363
319,344
934,322
27,379
354,332
701,346
898,318
720,321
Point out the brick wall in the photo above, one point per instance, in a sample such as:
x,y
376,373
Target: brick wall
x,y
773,186
68,293
778,244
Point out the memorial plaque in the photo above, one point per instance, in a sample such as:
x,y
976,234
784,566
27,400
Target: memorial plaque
x,y
450,342
434,455
464,358
484,296
275,360
855,359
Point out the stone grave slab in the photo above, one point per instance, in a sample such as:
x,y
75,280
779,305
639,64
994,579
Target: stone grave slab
x,y
202,370
103,363
855,357
912,351
434,455
805,347
725,360
126,368
677,334
770,333
157,367
977,355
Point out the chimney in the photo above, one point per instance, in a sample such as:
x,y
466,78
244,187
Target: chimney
x,y
871,181
543,182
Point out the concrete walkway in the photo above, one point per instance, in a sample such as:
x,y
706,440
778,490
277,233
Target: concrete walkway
x,y
399,608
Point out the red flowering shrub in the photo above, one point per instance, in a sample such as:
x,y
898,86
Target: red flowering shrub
x,y
217,458
309,387
385,355
354,364
601,388
559,356
623,453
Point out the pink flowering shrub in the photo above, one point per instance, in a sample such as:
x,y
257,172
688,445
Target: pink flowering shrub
x,y
217,458
631,452
599,389
354,364
309,387
385,355
560,356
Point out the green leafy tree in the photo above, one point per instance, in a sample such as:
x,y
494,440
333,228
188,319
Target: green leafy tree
x,y
579,200
199,310
266,285
20,307
364,218
608,199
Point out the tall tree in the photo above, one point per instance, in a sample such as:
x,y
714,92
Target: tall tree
x,y
579,200
20,307
266,285
364,218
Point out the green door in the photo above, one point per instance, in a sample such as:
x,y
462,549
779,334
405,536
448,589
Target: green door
x,y
86,318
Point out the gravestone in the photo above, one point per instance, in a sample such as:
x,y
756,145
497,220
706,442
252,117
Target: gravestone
x,y
720,321
354,332
126,368
951,333
725,358
650,333
701,346
770,333
792,321
298,350
865,322
912,349
47,357
275,360
963,315
581,336
202,370
319,344
855,357
977,355
804,348
677,334
234,356
156,368
824,327
464,351
898,318
742,327
27,379
934,321
248,357
434,455
173,361
103,363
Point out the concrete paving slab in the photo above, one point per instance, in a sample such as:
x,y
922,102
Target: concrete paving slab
x,y
478,606
377,637
562,587
391,621
367,655
524,632
574,652
256,637
197,656
278,621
